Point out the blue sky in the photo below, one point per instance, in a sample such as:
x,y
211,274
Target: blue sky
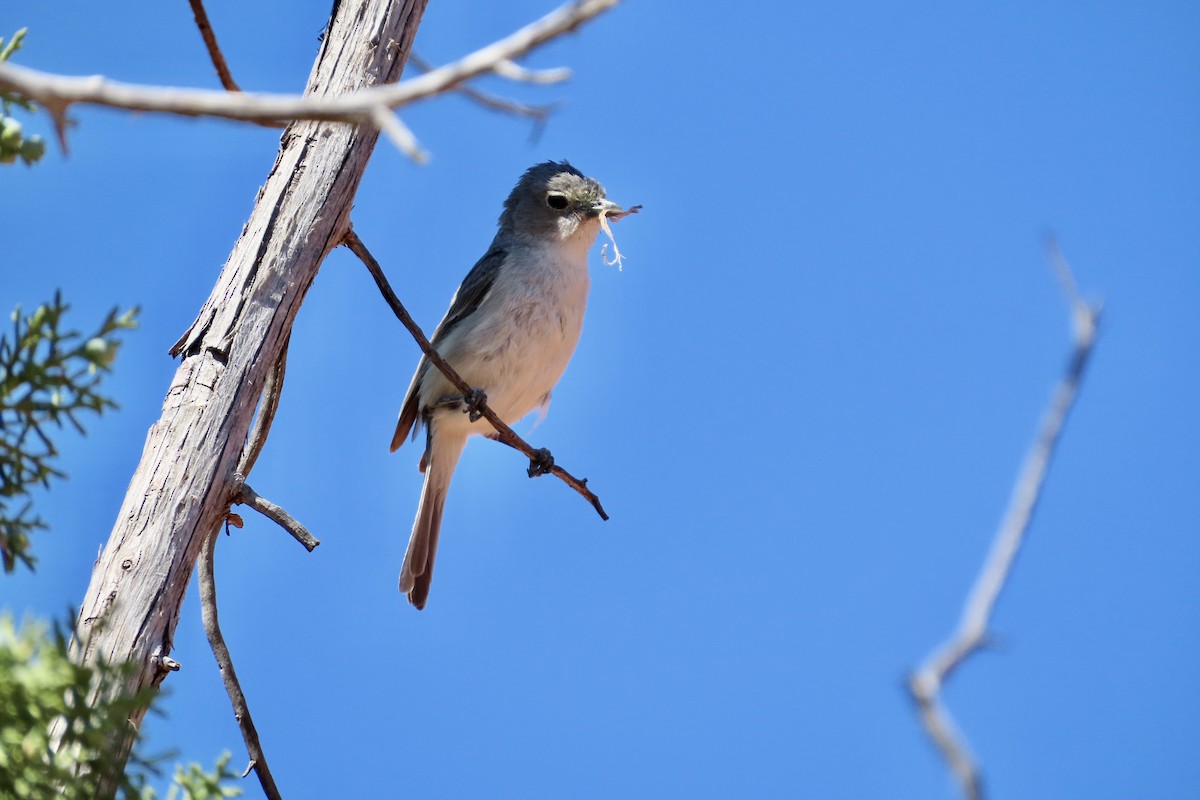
x,y
803,402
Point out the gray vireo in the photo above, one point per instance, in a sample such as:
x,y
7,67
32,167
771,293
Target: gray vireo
x,y
510,331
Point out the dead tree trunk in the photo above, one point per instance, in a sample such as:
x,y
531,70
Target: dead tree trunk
x,y
185,482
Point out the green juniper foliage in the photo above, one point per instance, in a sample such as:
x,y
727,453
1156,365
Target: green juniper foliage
x,y
14,143
39,685
193,783
48,377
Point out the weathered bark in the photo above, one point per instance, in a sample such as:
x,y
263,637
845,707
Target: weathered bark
x,y
183,486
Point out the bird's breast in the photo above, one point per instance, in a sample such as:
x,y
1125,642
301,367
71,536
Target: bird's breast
x,y
524,333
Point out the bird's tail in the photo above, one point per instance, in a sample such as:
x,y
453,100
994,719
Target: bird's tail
x,y
417,571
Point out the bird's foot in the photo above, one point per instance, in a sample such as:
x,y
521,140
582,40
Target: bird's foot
x,y
541,463
471,402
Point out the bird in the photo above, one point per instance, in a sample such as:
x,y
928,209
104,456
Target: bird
x,y
510,331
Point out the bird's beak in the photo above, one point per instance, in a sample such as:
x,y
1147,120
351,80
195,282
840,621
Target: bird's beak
x,y
608,208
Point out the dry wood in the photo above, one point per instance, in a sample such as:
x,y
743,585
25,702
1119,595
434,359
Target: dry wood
x,y
216,640
56,93
185,482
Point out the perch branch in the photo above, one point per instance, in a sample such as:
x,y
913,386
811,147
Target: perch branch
x,y
247,496
241,710
362,107
504,433
214,50
925,685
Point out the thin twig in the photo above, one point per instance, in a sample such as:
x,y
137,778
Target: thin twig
x,y
272,390
241,710
538,113
504,433
247,496
925,685
400,134
214,50
362,107
515,72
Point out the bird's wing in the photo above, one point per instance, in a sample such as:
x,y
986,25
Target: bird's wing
x,y
467,299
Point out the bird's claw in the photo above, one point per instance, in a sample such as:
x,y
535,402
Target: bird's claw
x,y
473,400
472,403
541,463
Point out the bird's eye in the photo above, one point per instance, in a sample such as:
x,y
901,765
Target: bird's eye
x,y
556,201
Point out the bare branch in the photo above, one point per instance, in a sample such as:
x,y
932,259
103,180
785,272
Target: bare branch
x,y
400,134
208,588
925,685
247,496
538,113
515,72
363,107
272,390
214,50
241,710
540,460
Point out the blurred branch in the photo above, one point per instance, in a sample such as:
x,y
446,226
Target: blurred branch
x,y
926,684
515,72
241,709
369,106
540,460
538,113
214,50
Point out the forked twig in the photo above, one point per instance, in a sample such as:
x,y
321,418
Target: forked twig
x,y
208,587
367,106
538,113
926,684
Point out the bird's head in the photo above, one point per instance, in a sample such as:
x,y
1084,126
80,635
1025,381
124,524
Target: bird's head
x,y
553,199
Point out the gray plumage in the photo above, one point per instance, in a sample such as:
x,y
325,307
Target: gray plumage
x,y
510,331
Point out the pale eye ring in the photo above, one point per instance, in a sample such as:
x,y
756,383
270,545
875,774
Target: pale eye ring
x,y
556,201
